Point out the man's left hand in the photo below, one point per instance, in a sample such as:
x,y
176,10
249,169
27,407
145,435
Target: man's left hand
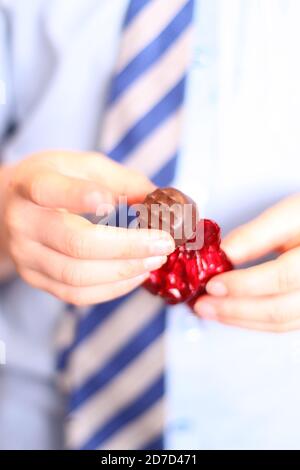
x,y
267,296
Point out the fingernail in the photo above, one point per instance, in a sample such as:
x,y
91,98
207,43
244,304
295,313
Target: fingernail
x,y
206,310
162,247
217,289
155,262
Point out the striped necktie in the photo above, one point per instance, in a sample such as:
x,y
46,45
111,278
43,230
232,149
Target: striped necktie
x,y
111,357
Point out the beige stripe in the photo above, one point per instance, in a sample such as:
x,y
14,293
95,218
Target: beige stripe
x,y
155,151
147,91
111,336
137,434
146,27
66,331
127,385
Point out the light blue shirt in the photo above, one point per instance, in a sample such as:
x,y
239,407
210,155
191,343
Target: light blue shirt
x,y
227,388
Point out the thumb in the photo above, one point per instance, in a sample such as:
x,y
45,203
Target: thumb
x,y
50,189
274,228
117,178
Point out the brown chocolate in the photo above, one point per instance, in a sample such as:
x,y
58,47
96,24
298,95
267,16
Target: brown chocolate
x,y
171,210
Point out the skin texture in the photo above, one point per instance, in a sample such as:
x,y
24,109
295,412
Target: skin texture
x,y
44,238
265,297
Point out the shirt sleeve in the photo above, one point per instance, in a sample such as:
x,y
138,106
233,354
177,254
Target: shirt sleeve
x,y
5,75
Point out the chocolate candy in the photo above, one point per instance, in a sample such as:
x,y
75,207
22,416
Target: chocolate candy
x,y
171,210
184,276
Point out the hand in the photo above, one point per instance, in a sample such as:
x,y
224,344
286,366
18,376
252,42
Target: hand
x,y
265,297
57,250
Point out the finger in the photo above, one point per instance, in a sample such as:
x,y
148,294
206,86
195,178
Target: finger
x,y
263,327
84,295
274,277
54,190
118,178
268,232
279,309
96,167
82,273
76,237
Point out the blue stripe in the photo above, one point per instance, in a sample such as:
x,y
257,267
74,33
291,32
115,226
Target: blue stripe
x,y
98,314
167,173
88,324
132,412
134,9
155,444
135,346
152,52
148,123
62,358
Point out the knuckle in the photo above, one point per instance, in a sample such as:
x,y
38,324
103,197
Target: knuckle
x,y
226,309
74,296
14,251
277,316
18,250
281,328
13,221
126,249
72,275
284,279
36,189
75,245
129,269
125,287
27,276
9,220
22,273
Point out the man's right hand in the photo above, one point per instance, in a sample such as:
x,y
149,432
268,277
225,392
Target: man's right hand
x,y
55,249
